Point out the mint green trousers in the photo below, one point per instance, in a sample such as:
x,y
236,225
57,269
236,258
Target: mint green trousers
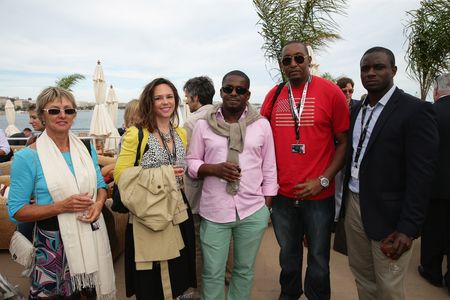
x,y
215,240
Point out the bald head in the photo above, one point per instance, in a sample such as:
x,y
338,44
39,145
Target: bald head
x,y
294,42
441,86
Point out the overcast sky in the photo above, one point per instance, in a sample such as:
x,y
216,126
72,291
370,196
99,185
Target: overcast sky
x,y
137,41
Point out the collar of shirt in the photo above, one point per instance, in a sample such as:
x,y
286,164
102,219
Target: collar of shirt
x,y
219,114
442,97
383,101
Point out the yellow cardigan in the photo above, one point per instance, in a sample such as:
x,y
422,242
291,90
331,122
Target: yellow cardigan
x,y
130,141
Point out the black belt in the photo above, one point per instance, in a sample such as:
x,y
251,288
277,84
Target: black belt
x,y
50,224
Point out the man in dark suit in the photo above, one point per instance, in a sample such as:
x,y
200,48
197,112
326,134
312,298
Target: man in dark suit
x,y
340,244
390,166
347,87
436,229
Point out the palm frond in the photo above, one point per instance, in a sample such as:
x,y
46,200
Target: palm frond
x,y
309,21
427,33
68,81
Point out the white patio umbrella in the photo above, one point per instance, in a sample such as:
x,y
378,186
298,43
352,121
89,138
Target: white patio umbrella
x,y
112,105
185,111
314,68
181,115
101,124
10,113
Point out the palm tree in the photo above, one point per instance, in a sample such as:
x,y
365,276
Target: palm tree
x,y
427,32
309,21
68,81
327,75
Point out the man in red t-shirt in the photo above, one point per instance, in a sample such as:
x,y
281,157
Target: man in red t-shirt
x,y
307,117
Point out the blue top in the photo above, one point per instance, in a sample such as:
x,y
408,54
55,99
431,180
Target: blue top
x,y
26,172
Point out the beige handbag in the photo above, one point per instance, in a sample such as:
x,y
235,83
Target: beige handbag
x,y
22,250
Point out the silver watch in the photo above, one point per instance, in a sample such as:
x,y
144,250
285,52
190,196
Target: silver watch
x,y
324,182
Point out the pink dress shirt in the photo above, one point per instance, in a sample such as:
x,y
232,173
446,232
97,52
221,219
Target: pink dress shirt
x,y
258,171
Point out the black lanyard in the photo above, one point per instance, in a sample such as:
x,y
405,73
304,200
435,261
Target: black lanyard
x,y
364,128
296,112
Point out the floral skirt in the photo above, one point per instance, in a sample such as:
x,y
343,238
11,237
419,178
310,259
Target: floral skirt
x,y
51,277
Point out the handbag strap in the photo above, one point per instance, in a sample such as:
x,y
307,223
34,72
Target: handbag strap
x,y
138,152
275,97
35,198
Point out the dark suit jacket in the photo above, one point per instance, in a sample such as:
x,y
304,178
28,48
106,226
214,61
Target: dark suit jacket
x,y
441,186
397,169
354,104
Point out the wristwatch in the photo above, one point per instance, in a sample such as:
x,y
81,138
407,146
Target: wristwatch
x,y
324,182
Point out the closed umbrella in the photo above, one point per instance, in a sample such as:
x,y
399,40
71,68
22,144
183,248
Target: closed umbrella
x,y
314,66
10,113
112,104
101,124
181,115
185,112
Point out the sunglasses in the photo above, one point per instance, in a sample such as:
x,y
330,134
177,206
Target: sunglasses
x,y
57,111
350,91
239,90
299,59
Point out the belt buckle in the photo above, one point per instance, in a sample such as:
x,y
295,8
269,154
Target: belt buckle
x,y
298,203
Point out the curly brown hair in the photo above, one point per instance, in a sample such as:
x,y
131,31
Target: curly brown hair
x,y
146,112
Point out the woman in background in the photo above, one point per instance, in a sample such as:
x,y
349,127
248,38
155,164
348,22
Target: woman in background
x,y
130,117
163,145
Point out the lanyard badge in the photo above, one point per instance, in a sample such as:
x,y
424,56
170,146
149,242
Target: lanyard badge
x,y
364,129
296,115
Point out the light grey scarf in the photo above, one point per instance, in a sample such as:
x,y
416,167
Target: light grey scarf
x,y
235,132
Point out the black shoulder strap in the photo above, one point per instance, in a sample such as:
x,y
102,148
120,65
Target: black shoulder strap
x,y
87,143
7,157
138,152
275,96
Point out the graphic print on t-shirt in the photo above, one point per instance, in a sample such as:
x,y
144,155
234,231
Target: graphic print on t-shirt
x,y
283,115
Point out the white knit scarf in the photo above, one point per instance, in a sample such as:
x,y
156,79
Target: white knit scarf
x,y
88,252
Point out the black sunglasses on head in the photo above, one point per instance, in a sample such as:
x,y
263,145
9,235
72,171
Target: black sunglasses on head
x,y
57,111
239,90
299,59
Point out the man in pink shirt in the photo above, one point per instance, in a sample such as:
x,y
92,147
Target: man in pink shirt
x,y
233,150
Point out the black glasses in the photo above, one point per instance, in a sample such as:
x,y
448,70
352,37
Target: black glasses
x,y
299,59
239,90
57,111
350,91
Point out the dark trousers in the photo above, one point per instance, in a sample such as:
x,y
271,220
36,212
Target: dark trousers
x,y
313,219
435,242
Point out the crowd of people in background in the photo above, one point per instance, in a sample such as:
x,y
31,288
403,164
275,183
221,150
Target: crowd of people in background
x,y
200,197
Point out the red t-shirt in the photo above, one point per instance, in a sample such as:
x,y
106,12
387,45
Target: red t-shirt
x,y
325,113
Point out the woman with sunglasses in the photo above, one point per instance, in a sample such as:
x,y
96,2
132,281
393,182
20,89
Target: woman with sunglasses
x,y
156,267
73,256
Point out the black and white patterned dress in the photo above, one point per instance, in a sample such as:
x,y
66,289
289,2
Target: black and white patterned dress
x,y
157,155
147,284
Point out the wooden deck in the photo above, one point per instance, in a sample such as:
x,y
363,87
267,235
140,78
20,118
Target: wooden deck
x,y
266,275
